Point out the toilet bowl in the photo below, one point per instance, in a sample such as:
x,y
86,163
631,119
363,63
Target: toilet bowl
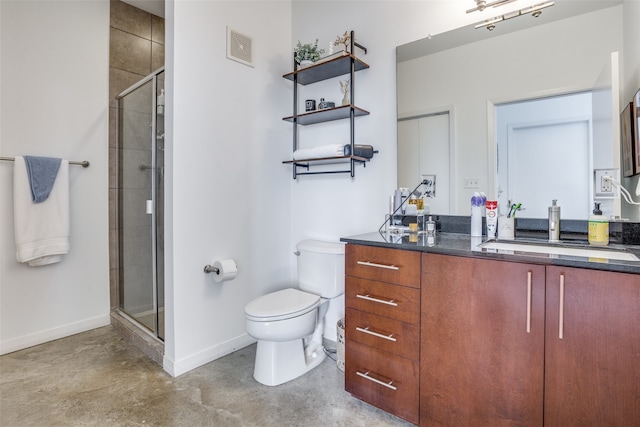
x,y
282,316
281,322
289,324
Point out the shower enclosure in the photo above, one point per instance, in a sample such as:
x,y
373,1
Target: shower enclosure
x,y
140,201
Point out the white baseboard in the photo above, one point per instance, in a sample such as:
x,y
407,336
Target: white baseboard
x,y
176,368
26,341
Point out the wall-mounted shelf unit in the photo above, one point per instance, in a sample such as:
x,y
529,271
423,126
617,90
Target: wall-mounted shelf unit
x,y
324,69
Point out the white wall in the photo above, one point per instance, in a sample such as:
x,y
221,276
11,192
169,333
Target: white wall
x,y
54,84
230,194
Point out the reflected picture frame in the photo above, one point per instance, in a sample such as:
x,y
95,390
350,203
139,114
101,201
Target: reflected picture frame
x,y
629,151
635,129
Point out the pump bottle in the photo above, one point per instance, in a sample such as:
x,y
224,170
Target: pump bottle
x,y
554,222
598,227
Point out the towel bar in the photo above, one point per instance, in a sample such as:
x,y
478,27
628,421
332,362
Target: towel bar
x,y
84,163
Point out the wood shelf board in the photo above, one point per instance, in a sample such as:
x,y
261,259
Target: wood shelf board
x,y
327,115
324,70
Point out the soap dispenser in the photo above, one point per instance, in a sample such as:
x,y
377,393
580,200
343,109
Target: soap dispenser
x,y
598,227
554,222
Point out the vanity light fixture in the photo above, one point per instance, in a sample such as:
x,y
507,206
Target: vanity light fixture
x,y
535,11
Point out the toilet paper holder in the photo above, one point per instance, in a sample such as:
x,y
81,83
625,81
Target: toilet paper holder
x,y
211,269
225,269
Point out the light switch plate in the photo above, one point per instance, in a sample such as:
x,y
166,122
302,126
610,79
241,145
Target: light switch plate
x,y
471,183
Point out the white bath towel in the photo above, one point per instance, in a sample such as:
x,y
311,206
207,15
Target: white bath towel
x,y
41,229
329,150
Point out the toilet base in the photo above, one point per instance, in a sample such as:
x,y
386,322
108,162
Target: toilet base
x,y
280,362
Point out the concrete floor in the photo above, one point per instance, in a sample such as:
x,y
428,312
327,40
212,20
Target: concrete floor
x,y
97,379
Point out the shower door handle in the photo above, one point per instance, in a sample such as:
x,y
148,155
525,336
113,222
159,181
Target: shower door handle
x,y
149,206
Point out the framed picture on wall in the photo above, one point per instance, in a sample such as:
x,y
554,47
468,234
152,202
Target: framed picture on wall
x,y
636,130
628,142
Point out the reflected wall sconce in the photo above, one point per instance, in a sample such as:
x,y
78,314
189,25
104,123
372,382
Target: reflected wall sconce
x,y
535,11
482,5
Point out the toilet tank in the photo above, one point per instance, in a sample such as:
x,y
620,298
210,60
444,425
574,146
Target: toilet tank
x,y
321,267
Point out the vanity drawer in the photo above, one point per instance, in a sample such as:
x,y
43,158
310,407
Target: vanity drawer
x,y
392,301
382,264
384,380
385,334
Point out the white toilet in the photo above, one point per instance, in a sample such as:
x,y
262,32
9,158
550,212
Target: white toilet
x,y
289,324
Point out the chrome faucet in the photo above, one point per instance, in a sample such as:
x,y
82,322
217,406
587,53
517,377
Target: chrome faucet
x,y
554,222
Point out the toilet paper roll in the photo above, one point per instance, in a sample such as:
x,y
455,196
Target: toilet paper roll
x,y
227,270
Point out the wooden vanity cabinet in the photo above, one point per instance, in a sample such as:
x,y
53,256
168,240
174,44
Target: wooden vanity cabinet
x,y
382,328
592,348
482,342
506,343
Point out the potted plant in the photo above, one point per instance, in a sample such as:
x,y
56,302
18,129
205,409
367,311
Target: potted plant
x,y
306,54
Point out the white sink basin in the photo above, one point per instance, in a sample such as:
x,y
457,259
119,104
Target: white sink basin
x,y
606,254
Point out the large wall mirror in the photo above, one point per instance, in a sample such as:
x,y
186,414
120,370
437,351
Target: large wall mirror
x,y
525,113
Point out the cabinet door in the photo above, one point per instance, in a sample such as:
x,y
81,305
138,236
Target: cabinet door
x,y
482,342
592,374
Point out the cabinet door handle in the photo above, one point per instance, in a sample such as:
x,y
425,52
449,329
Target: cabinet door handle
x,y
376,334
373,264
529,280
378,300
377,381
561,312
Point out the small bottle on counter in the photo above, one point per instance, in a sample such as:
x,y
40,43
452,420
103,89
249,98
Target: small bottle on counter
x,y
431,227
598,228
554,222
477,211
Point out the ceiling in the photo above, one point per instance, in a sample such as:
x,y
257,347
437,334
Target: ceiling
x,y
155,7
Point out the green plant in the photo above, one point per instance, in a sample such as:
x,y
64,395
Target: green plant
x,y
308,52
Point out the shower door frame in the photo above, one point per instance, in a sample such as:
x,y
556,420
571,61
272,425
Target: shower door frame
x,y
153,77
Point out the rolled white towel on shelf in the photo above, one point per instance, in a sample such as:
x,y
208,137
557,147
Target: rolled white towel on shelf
x,y
329,150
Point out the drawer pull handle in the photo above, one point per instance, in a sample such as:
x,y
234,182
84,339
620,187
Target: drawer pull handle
x,y
373,264
378,300
529,283
376,334
561,310
377,381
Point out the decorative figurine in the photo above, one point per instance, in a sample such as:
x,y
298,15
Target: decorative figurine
x,y
344,85
345,40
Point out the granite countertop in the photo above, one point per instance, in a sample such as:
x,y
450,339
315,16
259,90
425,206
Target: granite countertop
x,y
460,244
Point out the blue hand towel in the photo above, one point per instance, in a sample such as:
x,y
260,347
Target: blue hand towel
x,y
42,172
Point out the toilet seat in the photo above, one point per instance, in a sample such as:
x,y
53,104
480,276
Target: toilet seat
x,y
279,305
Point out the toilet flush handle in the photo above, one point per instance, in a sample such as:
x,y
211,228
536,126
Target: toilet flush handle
x,y
297,253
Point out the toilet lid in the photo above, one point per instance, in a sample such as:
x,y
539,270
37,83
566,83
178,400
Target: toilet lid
x,y
279,303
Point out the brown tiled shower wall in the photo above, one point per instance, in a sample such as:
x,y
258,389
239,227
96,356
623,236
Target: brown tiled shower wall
x,y
136,49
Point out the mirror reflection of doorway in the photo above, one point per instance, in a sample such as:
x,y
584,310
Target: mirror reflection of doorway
x,y
545,146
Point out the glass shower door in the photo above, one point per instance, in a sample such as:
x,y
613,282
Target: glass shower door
x,y
140,204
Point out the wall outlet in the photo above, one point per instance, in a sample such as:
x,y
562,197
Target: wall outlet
x,y
603,186
429,187
471,183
